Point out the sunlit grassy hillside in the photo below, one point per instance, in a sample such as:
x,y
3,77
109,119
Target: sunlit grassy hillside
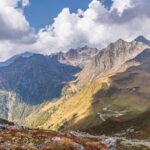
x,y
66,112
115,95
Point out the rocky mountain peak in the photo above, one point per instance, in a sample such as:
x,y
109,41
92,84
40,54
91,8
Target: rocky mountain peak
x,y
115,54
78,56
143,40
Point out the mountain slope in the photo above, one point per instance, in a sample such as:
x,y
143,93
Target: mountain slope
x,y
12,59
142,39
36,78
128,93
101,94
83,109
28,86
139,123
30,81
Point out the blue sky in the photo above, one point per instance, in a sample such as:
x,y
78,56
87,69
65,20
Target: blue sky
x,y
40,13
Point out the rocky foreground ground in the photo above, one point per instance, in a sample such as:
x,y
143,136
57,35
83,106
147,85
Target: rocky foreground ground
x,y
17,137
14,137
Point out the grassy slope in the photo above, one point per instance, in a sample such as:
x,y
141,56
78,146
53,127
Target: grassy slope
x,y
80,111
127,93
140,123
68,111
131,91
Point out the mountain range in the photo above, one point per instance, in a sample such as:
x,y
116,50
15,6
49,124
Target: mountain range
x,y
78,89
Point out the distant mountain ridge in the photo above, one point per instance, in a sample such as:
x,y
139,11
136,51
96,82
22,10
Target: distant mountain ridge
x,y
28,81
96,62
12,59
31,81
143,40
78,56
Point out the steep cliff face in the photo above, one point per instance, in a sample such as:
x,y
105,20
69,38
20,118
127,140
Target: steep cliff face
x,y
7,100
131,87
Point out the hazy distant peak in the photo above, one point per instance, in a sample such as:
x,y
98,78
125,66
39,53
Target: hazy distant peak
x,y
12,59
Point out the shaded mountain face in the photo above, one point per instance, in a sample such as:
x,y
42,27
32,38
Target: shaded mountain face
x,y
144,57
96,62
102,61
36,78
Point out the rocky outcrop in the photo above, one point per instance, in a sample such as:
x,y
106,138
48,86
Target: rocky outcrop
x,y
77,57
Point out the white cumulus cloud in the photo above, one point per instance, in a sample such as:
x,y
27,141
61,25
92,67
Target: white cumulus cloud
x,y
121,5
94,27
15,30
